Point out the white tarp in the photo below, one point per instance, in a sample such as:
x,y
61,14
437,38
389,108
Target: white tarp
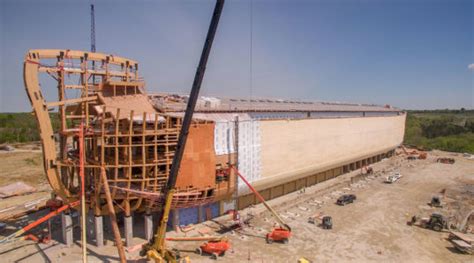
x,y
224,137
249,152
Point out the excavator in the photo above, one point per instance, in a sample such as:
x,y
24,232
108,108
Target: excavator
x,y
156,248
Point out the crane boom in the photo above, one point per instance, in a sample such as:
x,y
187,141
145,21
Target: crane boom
x,y
260,197
92,29
183,135
156,248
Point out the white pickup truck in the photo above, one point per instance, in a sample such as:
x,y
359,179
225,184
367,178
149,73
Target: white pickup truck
x,y
393,178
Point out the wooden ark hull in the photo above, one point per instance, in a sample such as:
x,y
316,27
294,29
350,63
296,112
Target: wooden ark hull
x,y
125,135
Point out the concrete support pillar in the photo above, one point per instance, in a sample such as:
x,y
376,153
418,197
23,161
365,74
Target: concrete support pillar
x,y
90,222
148,227
128,221
99,231
175,219
67,229
200,214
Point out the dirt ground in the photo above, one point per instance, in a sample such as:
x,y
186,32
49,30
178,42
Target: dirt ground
x,y
22,165
373,228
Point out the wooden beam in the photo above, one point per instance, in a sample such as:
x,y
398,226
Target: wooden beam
x,y
71,101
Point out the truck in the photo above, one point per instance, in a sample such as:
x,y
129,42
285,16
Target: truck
x,y
393,178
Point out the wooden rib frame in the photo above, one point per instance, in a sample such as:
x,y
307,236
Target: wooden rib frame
x,y
135,155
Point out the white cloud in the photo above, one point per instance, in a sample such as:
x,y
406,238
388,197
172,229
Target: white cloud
x,y
470,66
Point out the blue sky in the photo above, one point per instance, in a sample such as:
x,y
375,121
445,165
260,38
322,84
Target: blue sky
x,y
411,54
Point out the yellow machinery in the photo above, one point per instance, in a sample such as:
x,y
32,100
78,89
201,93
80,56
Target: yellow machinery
x,y
156,249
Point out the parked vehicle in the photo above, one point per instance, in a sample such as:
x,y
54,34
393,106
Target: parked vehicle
x,y
324,221
393,178
346,199
446,160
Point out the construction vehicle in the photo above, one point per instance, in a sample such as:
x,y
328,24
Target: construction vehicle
x,y
414,154
325,221
156,249
281,233
304,260
216,246
422,156
436,222
446,160
436,201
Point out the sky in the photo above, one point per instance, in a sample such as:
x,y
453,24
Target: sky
x,y
415,54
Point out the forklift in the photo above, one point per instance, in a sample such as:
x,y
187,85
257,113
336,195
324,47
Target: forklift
x,y
156,248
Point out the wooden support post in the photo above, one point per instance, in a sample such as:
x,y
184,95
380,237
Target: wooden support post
x,y
113,217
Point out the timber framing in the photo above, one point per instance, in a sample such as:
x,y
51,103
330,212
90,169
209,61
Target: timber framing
x,y
125,136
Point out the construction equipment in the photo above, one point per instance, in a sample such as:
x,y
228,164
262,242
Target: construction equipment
x,y
436,222
422,156
436,201
325,221
282,233
216,246
39,221
92,29
446,160
414,154
156,248
462,242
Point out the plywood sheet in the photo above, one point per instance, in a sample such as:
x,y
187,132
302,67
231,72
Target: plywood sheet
x,y
198,167
139,103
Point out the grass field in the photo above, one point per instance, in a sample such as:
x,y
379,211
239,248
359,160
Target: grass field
x,y
448,130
